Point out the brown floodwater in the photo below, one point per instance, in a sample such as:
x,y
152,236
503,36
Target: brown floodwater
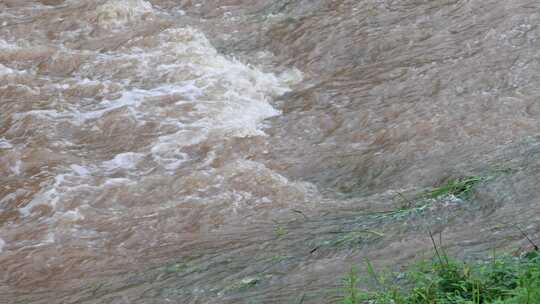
x,y
252,151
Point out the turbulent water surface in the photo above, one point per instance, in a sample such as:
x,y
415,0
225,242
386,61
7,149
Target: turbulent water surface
x,y
242,151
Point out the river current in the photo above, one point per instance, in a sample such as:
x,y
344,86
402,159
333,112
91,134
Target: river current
x,y
242,151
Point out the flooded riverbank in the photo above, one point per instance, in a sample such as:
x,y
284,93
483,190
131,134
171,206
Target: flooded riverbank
x,y
243,151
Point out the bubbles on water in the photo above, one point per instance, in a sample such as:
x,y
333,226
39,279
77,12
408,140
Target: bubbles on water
x,y
16,168
146,133
152,113
80,170
5,144
118,12
126,161
4,70
5,45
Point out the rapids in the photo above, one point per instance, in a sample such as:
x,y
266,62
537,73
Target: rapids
x,y
242,151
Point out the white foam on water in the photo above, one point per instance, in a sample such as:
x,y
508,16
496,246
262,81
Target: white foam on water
x,y
230,98
4,70
156,82
4,45
73,215
8,198
16,168
167,151
5,144
119,12
50,239
131,98
80,170
126,160
117,181
179,96
49,197
291,76
68,185
233,97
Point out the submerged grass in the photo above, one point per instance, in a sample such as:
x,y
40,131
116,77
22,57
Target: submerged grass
x,y
403,211
357,237
443,280
461,187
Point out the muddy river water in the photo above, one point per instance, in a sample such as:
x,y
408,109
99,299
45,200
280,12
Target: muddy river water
x,y
251,151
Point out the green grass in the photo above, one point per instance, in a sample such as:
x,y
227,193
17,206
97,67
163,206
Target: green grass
x,y
243,285
280,231
442,280
402,212
349,287
461,187
175,268
355,237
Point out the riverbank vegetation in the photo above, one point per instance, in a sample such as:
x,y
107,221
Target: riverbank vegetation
x,y
505,279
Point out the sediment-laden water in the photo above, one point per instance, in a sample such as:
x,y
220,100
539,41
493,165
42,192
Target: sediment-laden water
x,y
236,151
